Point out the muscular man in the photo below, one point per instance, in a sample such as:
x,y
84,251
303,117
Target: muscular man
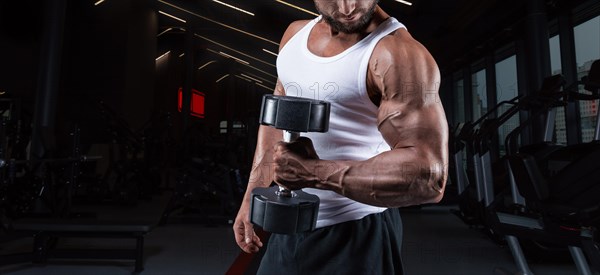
x,y
386,146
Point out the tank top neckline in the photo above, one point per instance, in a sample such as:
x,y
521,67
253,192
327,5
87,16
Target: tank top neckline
x,y
325,59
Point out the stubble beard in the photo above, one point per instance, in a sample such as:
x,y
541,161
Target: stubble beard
x,y
359,26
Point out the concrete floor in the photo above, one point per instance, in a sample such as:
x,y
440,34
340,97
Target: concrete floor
x,y
435,242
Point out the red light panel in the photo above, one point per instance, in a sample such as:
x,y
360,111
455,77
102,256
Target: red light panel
x,y
197,104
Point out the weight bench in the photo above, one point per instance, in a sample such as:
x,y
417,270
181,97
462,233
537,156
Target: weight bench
x,y
47,231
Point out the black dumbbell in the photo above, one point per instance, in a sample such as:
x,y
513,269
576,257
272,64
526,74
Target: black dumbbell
x,y
277,209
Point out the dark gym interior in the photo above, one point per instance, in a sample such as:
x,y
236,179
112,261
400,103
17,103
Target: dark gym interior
x,y
128,129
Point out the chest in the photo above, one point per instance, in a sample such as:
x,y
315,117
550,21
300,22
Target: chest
x,y
322,43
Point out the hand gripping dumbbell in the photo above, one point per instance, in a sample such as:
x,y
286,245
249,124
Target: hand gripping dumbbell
x,y
277,209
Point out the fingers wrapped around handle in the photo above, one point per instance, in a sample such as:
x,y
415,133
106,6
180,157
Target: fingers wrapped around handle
x,y
294,164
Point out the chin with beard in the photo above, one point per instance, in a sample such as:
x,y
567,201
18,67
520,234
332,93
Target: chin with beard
x,y
361,25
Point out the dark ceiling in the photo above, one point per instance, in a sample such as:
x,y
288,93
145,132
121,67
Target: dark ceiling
x,y
446,27
101,56
453,30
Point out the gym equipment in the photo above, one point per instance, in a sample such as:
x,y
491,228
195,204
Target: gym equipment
x,y
533,215
46,233
276,209
204,192
134,157
513,222
472,140
566,200
57,179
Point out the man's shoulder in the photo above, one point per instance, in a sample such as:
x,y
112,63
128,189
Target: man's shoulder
x,y
400,47
404,59
291,30
400,42
297,25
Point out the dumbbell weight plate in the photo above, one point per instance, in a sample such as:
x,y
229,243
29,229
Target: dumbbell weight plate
x,y
295,114
275,211
282,214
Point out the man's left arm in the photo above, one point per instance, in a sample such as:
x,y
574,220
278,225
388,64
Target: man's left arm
x,y
411,120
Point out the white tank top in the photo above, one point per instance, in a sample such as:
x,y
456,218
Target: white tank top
x,y
340,80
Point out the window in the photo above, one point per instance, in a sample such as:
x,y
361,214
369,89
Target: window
x,y
237,127
223,127
460,109
555,62
507,88
560,125
459,102
479,92
587,49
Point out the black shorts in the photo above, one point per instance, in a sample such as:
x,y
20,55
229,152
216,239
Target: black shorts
x,y
371,245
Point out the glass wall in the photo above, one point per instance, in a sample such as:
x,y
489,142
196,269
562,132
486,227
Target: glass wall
x,y
479,92
560,126
555,62
506,89
459,102
472,104
587,49
459,108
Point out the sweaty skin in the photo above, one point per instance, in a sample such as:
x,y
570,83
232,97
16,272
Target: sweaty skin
x,y
403,81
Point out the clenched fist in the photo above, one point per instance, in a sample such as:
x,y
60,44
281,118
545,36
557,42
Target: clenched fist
x,y
295,164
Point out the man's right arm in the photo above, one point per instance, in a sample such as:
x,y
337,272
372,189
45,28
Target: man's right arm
x,y
261,174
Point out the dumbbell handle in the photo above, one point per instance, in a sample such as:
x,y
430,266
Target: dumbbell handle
x,y
288,136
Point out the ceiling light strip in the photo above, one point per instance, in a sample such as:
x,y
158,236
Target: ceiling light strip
x,y
268,88
162,55
219,23
296,7
206,64
223,77
248,65
267,51
233,50
163,32
229,56
219,53
404,2
261,78
249,77
98,2
235,58
172,16
243,78
261,71
233,7
212,51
